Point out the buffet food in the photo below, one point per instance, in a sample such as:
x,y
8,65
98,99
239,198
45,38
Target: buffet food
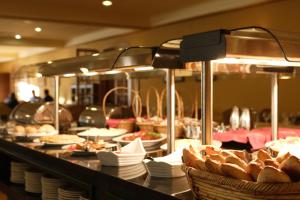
x,y
144,135
33,130
243,165
86,146
61,139
150,140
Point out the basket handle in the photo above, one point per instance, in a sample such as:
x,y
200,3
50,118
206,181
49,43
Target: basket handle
x,y
179,103
148,101
108,93
137,110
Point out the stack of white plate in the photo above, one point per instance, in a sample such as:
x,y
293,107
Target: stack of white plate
x,y
33,181
126,172
131,154
17,171
168,166
68,192
50,187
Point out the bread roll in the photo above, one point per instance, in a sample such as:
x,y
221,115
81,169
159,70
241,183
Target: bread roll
x,y
261,163
271,174
31,130
19,130
47,128
189,158
244,155
271,162
226,153
200,164
281,158
254,169
209,149
291,166
235,171
217,157
263,155
237,161
213,166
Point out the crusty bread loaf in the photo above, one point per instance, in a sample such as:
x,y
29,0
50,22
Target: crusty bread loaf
x,y
271,174
244,155
200,164
263,155
217,157
237,161
19,130
271,162
235,171
31,130
188,157
226,153
213,166
254,169
291,166
209,149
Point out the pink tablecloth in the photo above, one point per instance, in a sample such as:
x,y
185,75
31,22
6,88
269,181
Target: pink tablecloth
x,y
113,123
256,137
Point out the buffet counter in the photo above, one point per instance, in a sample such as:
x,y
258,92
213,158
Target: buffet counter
x,y
100,182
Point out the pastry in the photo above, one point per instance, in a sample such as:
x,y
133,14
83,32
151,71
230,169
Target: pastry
x,y
271,174
254,169
237,161
244,155
271,162
19,130
291,166
235,171
213,166
200,164
189,158
263,155
47,128
217,157
30,130
209,149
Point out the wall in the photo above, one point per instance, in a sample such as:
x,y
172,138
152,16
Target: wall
x,y
4,86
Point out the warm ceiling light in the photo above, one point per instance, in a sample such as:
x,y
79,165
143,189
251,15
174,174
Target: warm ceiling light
x,y
84,70
69,75
38,29
107,3
49,62
18,37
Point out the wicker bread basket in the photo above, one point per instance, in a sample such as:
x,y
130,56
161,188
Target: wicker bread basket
x,y
206,185
126,124
179,130
149,125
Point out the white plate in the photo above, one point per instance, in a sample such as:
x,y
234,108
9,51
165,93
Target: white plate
x,y
102,133
132,153
146,143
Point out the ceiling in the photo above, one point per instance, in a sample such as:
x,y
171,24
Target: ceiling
x,y
70,22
